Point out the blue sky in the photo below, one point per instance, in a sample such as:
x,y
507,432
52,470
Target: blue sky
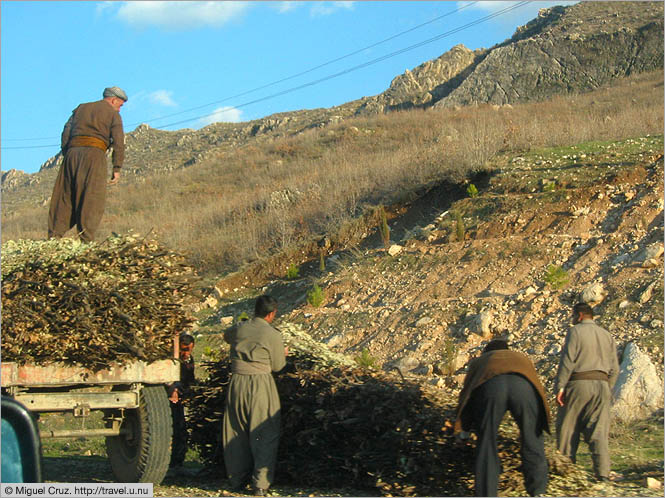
x,y
187,64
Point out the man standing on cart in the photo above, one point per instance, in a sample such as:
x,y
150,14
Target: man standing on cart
x,y
79,193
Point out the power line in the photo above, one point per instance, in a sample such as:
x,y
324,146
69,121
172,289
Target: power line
x,y
313,68
27,139
335,75
466,5
31,146
360,66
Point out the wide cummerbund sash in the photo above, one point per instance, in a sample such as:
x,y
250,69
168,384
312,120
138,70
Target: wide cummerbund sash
x,y
249,367
590,375
85,141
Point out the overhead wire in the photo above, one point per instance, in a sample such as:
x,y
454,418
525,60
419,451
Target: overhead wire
x,y
359,66
307,71
267,85
329,77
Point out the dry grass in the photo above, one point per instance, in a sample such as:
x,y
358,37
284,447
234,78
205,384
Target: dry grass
x,y
262,200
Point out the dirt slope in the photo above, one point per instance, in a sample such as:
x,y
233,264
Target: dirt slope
x,y
591,211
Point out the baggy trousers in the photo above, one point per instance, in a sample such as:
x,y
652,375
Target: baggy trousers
x,y
79,193
489,403
179,440
251,430
586,411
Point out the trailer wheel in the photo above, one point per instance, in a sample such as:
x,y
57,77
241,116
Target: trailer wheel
x,y
143,454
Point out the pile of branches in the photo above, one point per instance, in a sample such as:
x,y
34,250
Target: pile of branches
x,y
346,427
90,305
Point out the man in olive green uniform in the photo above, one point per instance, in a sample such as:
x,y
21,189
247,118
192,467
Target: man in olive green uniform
x,y
588,369
79,193
252,417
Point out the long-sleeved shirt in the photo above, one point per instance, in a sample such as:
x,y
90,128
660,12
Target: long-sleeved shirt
x,y
256,347
587,347
100,120
489,365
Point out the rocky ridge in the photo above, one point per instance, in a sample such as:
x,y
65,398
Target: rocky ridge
x,y
564,50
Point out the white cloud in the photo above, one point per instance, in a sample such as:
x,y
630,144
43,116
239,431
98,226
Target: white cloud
x,y
531,8
492,6
162,97
179,15
222,114
283,7
326,8
102,7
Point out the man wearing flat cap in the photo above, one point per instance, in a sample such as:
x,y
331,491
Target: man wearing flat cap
x,y
79,193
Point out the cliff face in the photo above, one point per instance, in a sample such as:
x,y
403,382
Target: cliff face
x,y
568,50
427,83
564,50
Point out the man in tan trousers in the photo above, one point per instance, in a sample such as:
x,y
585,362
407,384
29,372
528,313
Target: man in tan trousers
x,y
588,369
79,193
251,427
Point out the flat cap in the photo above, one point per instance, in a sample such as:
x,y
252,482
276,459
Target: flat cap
x,y
115,91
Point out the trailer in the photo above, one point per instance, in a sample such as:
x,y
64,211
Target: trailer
x,y
132,397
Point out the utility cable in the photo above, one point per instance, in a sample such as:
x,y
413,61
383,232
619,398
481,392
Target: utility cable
x,y
469,4
360,66
329,77
466,5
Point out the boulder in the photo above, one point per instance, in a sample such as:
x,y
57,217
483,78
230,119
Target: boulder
x,y
333,340
650,256
652,483
482,323
593,294
638,391
395,249
405,364
646,294
210,302
653,251
529,291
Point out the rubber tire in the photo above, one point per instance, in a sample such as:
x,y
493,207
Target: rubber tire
x,y
146,456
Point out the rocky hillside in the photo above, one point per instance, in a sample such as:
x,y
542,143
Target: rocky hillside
x,y
564,50
547,229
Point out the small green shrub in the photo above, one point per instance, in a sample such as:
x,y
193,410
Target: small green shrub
x,y
292,272
242,317
365,360
315,296
471,190
459,226
530,250
449,356
549,187
213,354
384,228
556,277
